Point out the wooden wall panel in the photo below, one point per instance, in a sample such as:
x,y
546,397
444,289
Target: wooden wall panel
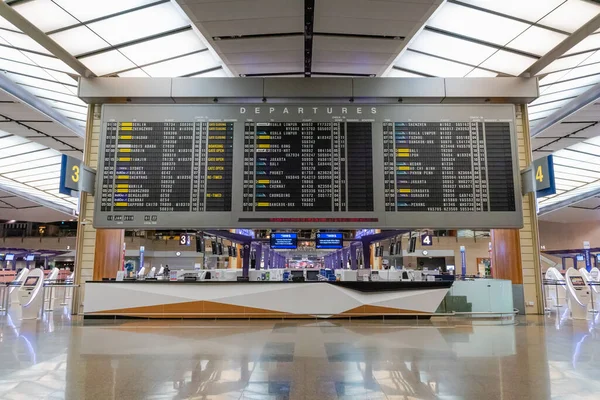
x,y
506,255
108,252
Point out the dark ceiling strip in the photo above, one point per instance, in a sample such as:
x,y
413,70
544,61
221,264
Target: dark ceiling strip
x,y
258,36
343,74
481,42
91,21
204,71
413,72
309,24
359,36
132,42
460,3
40,132
272,74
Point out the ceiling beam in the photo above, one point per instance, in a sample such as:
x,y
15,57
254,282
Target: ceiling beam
x,y
43,40
583,100
568,202
576,37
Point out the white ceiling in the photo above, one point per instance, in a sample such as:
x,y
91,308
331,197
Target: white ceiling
x,y
350,37
20,209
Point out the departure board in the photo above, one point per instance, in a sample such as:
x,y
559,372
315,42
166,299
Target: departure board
x,y
317,166
301,166
448,167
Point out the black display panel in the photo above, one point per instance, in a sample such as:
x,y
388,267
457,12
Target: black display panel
x,y
448,167
329,240
302,166
315,166
284,240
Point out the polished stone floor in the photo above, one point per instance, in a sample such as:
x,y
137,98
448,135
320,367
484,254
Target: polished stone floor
x,y
63,358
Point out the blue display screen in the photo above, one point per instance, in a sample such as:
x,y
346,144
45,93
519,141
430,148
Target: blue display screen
x,y
329,240
284,240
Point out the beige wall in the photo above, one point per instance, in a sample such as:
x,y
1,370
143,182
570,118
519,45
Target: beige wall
x,y
33,243
559,236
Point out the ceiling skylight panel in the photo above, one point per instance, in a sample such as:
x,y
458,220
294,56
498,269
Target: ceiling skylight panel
x,y
571,84
571,15
587,148
39,83
34,171
577,173
41,177
530,10
5,161
579,72
576,177
558,96
66,106
12,54
481,73
564,184
587,158
134,73
57,96
536,40
165,47
476,24
139,24
107,63
83,11
50,159
12,140
7,25
452,48
548,106
508,62
427,65
46,15
553,78
50,62
24,148
591,42
22,41
565,63
542,114
79,40
182,65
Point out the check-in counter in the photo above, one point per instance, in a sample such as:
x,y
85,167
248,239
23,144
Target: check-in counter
x,y
263,299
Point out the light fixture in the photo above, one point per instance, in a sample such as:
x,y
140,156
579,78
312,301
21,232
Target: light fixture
x,y
425,252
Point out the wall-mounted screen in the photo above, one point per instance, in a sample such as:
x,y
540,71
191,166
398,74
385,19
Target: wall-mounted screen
x,y
10,257
30,257
318,166
577,281
284,240
329,240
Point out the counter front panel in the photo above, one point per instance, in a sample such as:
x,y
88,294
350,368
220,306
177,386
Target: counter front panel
x,y
161,299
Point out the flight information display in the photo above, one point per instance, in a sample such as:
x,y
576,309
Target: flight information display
x,y
448,166
304,166
319,166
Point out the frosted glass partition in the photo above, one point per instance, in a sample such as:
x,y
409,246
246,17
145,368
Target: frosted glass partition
x,y
479,295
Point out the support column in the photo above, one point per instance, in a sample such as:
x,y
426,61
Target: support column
x,y
98,251
353,261
525,272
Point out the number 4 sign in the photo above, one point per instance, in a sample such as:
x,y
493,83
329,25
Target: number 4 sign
x,y
426,240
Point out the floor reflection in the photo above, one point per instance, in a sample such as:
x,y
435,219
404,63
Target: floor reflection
x,y
59,357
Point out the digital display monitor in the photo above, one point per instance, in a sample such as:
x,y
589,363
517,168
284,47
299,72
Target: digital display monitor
x,y
30,257
577,281
10,257
580,258
329,240
284,240
31,281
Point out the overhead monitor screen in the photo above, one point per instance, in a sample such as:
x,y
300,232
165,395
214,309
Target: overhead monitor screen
x,y
316,166
10,257
30,257
284,240
329,240
577,281
31,281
